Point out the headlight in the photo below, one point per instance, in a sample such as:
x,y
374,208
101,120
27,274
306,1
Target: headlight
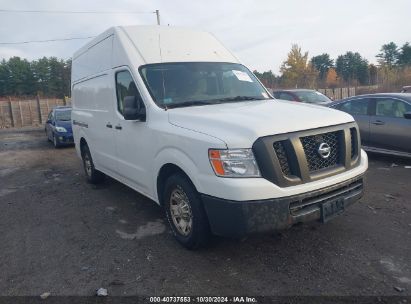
x,y
61,129
234,163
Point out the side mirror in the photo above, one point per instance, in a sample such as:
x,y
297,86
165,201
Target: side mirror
x,y
48,121
134,109
407,115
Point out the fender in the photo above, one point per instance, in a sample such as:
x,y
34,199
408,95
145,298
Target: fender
x,y
80,134
79,129
175,156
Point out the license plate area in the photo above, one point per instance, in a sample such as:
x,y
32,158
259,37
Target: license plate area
x,y
331,209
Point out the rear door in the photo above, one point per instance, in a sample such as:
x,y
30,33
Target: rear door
x,y
388,127
360,109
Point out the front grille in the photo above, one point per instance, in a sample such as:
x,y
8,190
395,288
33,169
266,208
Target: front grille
x,y
68,139
296,158
282,157
311,145
354,140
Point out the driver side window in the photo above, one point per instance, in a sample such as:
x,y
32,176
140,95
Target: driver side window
x,y
355,107
125,86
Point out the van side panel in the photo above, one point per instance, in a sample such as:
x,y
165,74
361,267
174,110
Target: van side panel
x,y
92,98
94,60
93,108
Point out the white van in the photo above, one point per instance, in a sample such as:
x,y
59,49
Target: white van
x,y
174,115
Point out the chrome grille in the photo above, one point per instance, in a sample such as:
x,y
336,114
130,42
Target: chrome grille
x,y
311,145
282,157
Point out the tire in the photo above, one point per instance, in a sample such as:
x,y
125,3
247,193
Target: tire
x,y
56,142
182,201
93,176
47,135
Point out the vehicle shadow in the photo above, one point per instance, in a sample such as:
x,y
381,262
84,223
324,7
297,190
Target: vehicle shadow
x,y
396,160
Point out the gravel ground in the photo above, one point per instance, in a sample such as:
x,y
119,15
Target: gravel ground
x,y
64,236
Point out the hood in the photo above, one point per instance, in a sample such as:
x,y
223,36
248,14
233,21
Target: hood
x,y
240,124
64,124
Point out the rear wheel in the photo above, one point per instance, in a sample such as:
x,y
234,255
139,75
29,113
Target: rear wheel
x,y
185,212
93,176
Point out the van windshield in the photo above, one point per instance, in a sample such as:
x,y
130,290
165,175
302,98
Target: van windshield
x,y
199,83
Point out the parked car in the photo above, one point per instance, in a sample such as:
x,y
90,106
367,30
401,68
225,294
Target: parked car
x,y
302,95
406,89
58,127
384,121
174,115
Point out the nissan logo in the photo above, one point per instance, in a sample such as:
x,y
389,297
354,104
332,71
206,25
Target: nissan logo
x,y
324,150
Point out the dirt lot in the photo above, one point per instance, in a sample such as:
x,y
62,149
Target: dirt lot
x,y
64,236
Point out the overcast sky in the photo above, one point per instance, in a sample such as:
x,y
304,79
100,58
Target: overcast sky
x,y
260,32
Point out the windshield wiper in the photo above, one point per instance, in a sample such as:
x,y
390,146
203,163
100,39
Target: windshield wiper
x,y
191,103
211,101
241,98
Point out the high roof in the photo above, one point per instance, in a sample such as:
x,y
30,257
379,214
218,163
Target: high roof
x,y
172,44
157,44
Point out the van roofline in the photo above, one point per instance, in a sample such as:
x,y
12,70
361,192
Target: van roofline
x,y
145,47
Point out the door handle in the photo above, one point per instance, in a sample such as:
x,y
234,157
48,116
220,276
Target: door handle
x,y
378,123
109,125
118,127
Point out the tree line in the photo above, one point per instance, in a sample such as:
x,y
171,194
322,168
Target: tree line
x,y
49,77
350,69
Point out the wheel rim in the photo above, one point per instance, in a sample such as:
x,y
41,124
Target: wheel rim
x,y
87,164
180,211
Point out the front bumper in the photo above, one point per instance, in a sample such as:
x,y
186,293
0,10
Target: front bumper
x,y
240,218
65,138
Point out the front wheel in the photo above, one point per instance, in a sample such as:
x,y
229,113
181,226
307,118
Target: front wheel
x,y
93,176
56,142
47,135
185,212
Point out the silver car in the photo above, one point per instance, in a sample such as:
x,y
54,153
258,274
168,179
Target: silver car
x,y
384,120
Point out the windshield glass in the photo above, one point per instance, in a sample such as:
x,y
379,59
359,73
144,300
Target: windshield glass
x,y
199,83
312,97
63,115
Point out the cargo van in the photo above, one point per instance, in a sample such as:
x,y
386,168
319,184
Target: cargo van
x,y
174,115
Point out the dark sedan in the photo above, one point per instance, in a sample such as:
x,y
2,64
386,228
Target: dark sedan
x,y
384,121
58,127
303,95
